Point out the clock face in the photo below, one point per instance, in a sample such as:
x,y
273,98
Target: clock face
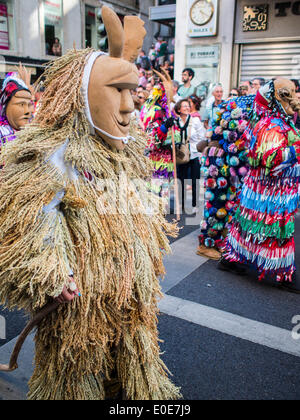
x,y
201,12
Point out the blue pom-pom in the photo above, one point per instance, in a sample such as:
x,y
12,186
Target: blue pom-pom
x,y
204,171
212,211
234,161
220,162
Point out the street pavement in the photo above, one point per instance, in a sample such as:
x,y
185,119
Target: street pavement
x,y
225,337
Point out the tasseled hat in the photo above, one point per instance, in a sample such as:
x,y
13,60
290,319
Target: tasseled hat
x,y
11,85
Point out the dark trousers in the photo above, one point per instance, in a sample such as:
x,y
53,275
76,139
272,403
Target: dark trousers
x,y
189,171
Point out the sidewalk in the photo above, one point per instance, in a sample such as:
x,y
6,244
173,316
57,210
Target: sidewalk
x,y
13,386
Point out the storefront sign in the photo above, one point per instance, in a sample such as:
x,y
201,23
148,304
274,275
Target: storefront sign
x,y
255,18
202,19
4,37
204,59
275,19
53,11
203,55
283,8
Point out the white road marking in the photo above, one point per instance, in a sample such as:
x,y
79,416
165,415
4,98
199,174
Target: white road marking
x,y
234,325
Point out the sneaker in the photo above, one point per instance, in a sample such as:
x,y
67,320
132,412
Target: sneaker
x,y
210,253
233,267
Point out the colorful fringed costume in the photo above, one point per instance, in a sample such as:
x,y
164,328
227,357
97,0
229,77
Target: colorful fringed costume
x,y
224,167
56,215
154,115
263,227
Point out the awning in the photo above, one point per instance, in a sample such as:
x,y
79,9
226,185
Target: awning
x,y
163,14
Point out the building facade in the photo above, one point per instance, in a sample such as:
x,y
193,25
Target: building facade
x,y
29,28
229,41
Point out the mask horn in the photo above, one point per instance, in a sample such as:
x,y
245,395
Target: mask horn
x,y
115,32
134,37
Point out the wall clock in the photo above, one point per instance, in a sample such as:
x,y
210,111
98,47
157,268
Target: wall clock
x,y
201,12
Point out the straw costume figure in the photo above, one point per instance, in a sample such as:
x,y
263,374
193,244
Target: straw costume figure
x,y
264,224
74,222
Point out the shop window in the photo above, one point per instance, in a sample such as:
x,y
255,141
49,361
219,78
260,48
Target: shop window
x,y
165,2
7,25
90,27
53,21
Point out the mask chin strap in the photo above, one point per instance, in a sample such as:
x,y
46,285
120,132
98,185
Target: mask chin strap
x,y
124,140
85,84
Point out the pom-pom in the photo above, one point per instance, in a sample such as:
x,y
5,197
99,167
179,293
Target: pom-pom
x,y
224,170
243,171
211,183
212,211
234,161
221,213
209,196
218,130
242,126
220,162
243,156
212,233
209,243
231,105
236,113
201,239
222,183
229,205
227,115
231,196
232,171
225,134
232,148
213,171
218,226
224,124
232,125
241,144
204,171
212,221
222,197
203,225
232,136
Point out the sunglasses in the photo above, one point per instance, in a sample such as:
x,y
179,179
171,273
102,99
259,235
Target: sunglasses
x,y
140,97
233,94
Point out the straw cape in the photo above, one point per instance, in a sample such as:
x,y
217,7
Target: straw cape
x,y
110,334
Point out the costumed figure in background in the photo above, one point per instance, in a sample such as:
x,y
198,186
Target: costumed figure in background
x,y
73,221
263,226
157,124
16,106
224,166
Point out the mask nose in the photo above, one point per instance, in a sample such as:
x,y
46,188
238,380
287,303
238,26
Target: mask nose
x,y
127,104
